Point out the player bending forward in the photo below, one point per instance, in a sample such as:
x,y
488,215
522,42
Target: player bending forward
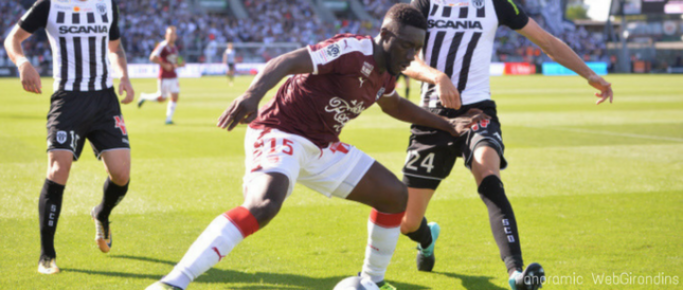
x,y
166,55
295,138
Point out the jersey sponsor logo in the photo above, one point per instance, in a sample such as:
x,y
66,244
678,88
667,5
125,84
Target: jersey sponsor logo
x,y
101,8
333,50
83,29
454,24
478,3
341,109
61,137
366,69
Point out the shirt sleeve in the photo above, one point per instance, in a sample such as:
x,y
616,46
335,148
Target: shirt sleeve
x,y
422,5
510,14
158,50
338,54
389,87
114,32
35,17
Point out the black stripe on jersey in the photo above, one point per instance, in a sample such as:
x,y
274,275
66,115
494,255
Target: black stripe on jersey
x,y
437,48
452,52
91,17
465,71
92,47
434,8
425,101
104,60
481,12
105,19
447,11
60,17
64,72
78,64
75,18
463,12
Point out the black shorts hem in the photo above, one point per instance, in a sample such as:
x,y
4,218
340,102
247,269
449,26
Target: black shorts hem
x,y
98,153
75,157
423,182
487,142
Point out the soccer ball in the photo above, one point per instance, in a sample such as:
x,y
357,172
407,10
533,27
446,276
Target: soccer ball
x,y
356,283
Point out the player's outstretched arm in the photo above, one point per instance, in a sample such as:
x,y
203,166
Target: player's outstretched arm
x,y
118,57
244,108
404,110
561,53
448,94
30,79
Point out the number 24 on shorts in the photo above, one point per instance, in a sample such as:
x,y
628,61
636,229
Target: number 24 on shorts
x,y
414,156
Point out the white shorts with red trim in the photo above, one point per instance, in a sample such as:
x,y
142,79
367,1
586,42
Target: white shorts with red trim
x,y
333,171
168,87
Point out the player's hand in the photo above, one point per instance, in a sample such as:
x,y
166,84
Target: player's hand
x,y
605,88
125,85
30,78
463,123
242,110
448,94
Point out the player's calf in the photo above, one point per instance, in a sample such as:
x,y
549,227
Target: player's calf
x,y
264,196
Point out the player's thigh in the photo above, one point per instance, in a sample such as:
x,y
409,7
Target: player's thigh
x,y
59,165
380,189
108,131
430,159
117,164
484,150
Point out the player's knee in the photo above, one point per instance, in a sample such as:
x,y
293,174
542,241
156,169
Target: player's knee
x,y
409,225
263,210
120,177
395,202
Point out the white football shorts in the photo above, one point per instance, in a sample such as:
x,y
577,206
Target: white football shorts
x,y
333,171
168,87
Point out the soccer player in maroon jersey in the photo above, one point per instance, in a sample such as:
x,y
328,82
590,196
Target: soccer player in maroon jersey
x,y
295,138
166,56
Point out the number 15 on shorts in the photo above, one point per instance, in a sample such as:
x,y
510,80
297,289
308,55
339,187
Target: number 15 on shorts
x,y
412,161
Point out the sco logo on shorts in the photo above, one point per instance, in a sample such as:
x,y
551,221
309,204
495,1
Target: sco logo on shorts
x,y
61,137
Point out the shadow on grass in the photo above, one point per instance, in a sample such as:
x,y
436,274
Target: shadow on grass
x,y
473,282
258,280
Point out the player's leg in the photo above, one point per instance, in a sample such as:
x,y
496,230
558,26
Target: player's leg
x,y
231,73
50,205
157,96
174,92
117,163
388,196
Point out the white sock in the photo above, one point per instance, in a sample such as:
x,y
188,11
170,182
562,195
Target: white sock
x,y
170,109
217,240
383,233
150,97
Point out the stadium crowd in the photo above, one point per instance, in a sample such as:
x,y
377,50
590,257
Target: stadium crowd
x,y
292,21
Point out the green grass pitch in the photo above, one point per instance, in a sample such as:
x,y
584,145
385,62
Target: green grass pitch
x,y
597,191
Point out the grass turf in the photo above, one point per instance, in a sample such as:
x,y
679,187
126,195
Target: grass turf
x,y
596,190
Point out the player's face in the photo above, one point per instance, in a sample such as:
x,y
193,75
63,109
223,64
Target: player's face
x,y
171,35
402,48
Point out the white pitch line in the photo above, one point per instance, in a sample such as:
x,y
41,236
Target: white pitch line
x,y
602,132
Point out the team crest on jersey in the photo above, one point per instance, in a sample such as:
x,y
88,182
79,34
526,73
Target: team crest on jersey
x,y
61,137
478,3
101,8
333,50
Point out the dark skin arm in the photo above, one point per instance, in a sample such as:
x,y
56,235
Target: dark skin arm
x,y
244,109
404,110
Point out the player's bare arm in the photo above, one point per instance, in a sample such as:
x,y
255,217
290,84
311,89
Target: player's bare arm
x,y
165,65
404,110
448,94
30,79
561,53
118,57
244,108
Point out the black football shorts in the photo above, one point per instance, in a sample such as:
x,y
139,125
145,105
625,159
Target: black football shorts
x,y
432,153
76,116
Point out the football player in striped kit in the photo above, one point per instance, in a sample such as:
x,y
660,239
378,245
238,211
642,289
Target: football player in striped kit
x,y
454,69
84,36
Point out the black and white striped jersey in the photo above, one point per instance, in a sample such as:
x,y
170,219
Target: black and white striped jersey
x,y
459,42
79,32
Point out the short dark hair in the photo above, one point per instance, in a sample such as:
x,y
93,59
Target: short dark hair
x,y
407,14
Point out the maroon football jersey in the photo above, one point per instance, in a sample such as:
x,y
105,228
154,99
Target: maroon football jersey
x,y
344,82
167,54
